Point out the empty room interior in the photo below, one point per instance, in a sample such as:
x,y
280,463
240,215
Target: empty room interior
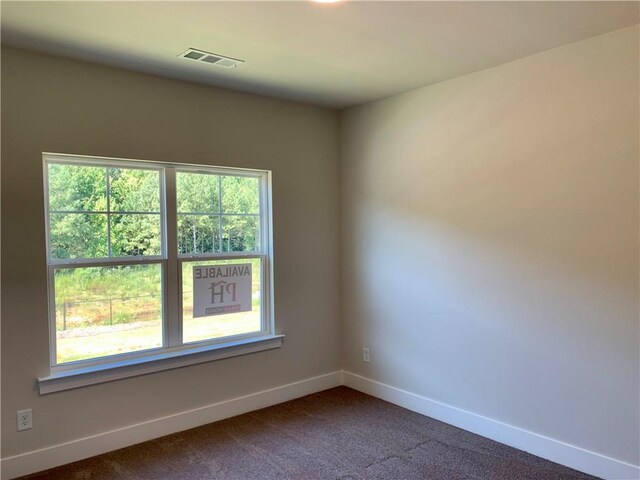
x,y
320,240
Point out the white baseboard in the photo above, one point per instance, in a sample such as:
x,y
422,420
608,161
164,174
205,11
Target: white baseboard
x,y
539,445
49,457
554,450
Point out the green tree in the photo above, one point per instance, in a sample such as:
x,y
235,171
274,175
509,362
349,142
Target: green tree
x,y
241,206
78,202
215,213
135,194
198,201
74,188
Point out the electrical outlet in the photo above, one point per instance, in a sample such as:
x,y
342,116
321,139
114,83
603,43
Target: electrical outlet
x,y
366,357
25,420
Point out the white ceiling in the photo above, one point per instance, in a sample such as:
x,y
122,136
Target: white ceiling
x,y
328,54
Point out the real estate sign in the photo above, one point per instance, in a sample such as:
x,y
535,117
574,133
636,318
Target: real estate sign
x,y
221,289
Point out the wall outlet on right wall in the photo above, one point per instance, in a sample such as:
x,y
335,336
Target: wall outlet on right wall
x,y
366,355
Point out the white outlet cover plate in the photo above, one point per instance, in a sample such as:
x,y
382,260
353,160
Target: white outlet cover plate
x,y
25,420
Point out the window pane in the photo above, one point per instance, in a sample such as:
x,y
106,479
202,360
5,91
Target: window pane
x,y
221,325
198,234
240,195
240,233
77,188
197,192
78,235
132,190
135,234
104,311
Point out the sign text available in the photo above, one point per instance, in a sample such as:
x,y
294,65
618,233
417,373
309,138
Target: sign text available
x,y
221,289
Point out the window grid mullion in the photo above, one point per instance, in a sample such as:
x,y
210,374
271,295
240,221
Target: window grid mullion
x,y
173,287
109,252
206,214
103,212
107,262
220,211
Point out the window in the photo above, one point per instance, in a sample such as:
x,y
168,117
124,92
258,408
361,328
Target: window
x,y
147,258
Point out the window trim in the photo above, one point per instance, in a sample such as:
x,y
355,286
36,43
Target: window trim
x,y
171,262
160,361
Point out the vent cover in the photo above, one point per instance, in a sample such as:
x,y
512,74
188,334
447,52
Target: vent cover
x,y
211,58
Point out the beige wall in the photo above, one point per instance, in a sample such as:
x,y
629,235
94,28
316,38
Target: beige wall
x,y
490,238
52,104
490,243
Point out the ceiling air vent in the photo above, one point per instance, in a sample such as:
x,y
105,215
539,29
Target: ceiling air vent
x,y
211,58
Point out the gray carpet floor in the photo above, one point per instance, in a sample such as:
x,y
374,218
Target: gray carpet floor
x,y
335,434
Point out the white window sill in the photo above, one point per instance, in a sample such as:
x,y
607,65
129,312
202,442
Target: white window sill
x,y
80,377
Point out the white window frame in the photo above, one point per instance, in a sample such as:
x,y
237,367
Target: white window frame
x,y
173,352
